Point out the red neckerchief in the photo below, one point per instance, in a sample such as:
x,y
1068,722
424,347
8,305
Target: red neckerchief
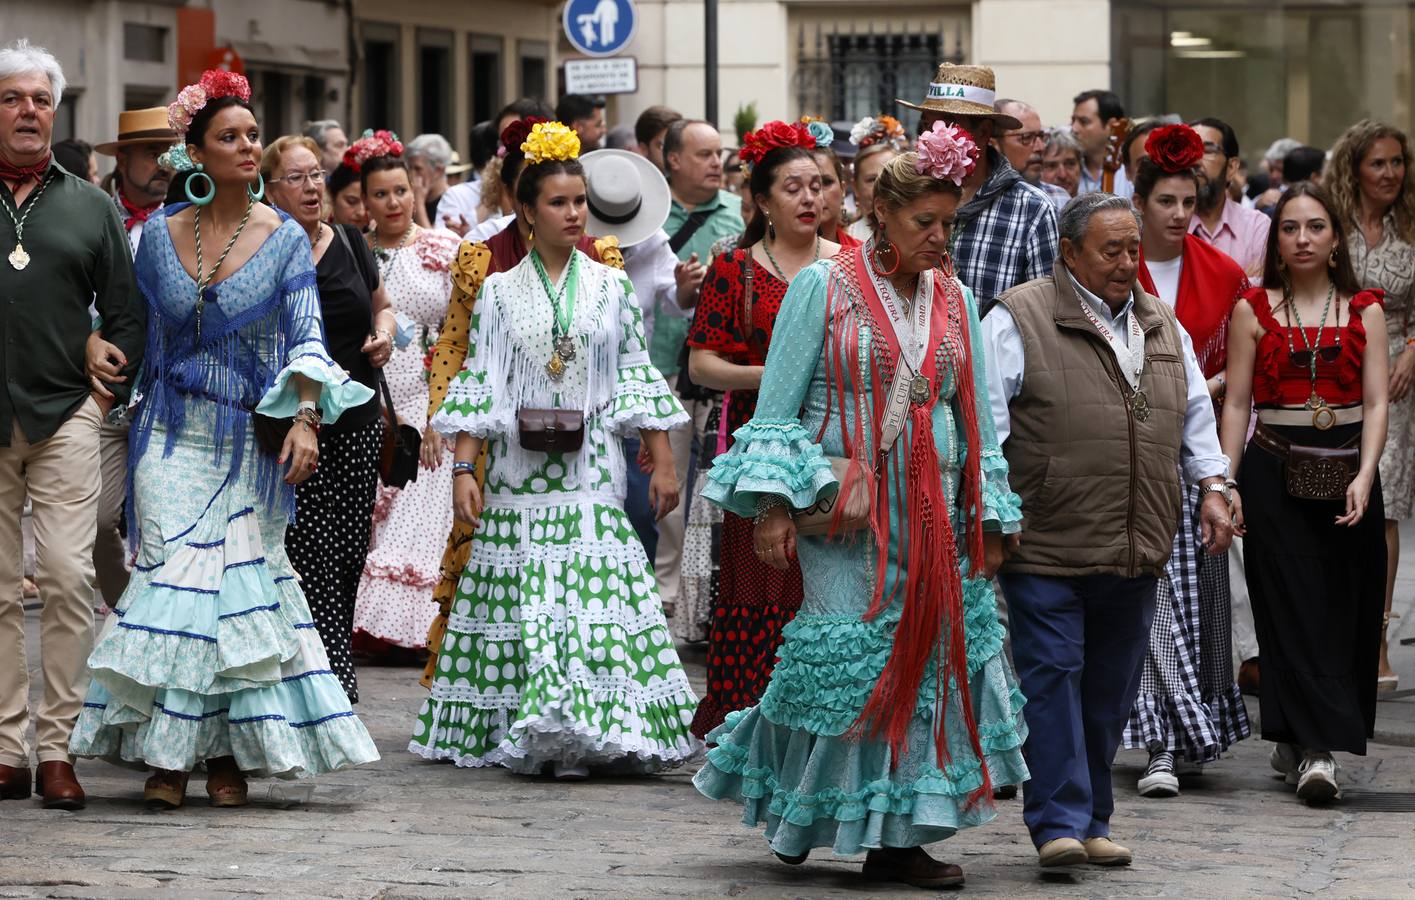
x,y
136,214
931,625
1210,283
507,248
18,175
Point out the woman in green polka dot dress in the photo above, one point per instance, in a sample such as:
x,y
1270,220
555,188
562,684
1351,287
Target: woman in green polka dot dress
x,y
556,651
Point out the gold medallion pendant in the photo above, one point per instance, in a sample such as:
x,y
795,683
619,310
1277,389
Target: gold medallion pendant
x,y
556,367
18,257
1323,416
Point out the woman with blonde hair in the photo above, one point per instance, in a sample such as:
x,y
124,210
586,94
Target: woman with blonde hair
x,y
329,539
1372,185
871,459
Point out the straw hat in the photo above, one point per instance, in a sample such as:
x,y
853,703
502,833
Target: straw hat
x,y
964,91
456,166
140,126
628,196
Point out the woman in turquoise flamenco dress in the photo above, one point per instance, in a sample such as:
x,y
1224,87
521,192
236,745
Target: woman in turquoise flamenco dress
x,y
892,709
211,656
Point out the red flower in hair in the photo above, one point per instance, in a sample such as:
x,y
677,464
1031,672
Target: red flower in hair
x,y
757,144
372,144
1174,148
515,133
221,83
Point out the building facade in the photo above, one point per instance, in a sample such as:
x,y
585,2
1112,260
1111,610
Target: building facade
x,y
128,55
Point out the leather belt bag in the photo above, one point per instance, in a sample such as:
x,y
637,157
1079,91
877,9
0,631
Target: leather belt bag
x,y
551,430
1312,473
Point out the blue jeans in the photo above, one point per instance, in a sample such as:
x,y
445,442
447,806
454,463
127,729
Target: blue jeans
x,y
636,504
1078,645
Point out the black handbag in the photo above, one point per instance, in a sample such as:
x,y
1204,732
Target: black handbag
x,y
551,430
398,455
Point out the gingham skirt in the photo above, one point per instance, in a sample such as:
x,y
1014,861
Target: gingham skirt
x,y
1188,701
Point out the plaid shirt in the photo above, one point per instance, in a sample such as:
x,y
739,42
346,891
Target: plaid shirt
x,y
1005,235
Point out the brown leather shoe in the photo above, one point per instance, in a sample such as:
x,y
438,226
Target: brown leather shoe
x,y
59,786
1248,679
14,782
911,865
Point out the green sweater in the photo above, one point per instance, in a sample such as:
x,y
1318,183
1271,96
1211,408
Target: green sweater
x,y
79,255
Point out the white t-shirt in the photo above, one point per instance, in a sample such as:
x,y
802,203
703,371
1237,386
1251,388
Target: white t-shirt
x,y
1166,278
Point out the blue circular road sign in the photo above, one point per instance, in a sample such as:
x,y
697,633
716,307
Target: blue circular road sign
x,y
600,27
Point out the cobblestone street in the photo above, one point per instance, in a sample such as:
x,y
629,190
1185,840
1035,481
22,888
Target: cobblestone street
x,y
406,828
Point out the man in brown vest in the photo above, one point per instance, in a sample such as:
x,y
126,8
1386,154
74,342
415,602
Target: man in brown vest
x,y
1098,399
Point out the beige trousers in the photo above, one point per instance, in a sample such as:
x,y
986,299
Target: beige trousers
x,y
61,477
668,561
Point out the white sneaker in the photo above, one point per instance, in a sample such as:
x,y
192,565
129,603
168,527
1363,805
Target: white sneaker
x,y
1159,779
564,772
1316,783
1285,759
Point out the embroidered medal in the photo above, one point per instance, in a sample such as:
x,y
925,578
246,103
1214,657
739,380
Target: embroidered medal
x,y
1140,405
18,257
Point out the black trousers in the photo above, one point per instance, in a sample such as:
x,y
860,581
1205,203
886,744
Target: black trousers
x,y
1318,592
329,541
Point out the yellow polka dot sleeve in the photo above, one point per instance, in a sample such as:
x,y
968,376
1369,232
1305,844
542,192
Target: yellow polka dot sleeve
x,y
469,270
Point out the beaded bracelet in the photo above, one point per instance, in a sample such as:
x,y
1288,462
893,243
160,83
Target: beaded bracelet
x,y
765,504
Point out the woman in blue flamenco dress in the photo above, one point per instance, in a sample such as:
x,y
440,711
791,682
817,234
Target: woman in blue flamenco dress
x,y
892,710
211,655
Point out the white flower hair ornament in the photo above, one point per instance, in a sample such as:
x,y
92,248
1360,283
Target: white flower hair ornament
x,y
946,153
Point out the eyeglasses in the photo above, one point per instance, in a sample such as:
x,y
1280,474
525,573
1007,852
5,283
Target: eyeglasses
x,y
1212,149
1302,359
1028,138
296,179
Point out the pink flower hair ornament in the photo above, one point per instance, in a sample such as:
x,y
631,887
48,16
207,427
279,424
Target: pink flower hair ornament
x,y
946,153
372,144
214,84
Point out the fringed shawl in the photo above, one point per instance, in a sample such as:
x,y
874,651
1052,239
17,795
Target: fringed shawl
x,y
931,626
254,323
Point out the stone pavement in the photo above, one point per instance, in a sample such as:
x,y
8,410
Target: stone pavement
x,y
406,828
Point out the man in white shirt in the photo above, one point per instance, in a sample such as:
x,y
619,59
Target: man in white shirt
x,y
1097,398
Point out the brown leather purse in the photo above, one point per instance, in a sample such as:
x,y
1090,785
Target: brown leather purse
x,y
1312,473
816,518
551,430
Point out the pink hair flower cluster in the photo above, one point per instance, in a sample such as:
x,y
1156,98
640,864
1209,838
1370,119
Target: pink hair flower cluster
x,y
214,84
946,153
370,145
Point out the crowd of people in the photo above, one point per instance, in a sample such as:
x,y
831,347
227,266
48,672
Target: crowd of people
x,y
972,455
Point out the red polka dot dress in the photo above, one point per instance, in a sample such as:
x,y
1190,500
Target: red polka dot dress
x,y
754,601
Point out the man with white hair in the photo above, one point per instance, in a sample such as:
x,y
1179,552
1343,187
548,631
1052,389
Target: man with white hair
x,y
1024,147
62,247
428,157
329,136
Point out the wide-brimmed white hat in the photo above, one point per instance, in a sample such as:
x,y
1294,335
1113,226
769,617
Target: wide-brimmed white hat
x,y
628,196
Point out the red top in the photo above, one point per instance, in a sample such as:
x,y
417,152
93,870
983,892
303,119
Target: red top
x,y
717,324
846,240
1278,382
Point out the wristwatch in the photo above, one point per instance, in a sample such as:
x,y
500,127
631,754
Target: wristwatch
x,y
1220,488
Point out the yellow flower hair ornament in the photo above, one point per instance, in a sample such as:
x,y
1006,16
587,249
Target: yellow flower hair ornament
x,y
551,140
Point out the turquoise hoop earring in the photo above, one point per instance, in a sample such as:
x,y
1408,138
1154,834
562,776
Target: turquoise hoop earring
x,y
199,199
257,194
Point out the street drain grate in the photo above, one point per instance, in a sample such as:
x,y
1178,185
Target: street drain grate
x,y
1378,801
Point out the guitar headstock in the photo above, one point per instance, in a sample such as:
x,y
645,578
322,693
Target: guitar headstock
x,y
1119,129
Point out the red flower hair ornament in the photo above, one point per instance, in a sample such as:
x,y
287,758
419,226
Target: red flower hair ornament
x,y
771,136
1174,148
370,145
214,84
515,134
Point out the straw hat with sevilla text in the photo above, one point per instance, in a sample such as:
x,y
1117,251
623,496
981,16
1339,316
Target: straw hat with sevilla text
x,y
964,91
